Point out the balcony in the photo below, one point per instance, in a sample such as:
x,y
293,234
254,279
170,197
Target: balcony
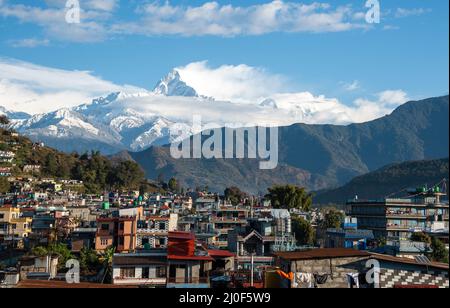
x,y
140,281
185,282
403,215
104,233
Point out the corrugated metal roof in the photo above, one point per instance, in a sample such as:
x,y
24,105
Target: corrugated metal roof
x,y
140,260
388,258
323,253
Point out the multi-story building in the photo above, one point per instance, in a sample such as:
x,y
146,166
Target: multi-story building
x,y
187,267
225,219
14,227
260,237
118,232
400,218
349,236
12,224
146,269
153,231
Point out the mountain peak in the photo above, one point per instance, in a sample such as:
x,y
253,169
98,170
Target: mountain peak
x,y
269,103
172,85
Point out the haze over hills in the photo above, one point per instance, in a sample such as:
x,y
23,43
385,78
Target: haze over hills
x,y
393,180
321,156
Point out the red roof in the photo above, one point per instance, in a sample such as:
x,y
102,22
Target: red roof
x,y
216,253
181,235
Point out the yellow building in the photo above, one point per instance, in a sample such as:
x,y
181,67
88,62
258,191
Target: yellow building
x,y
12,224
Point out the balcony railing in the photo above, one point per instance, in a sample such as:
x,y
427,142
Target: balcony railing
x,y
188,280
139,281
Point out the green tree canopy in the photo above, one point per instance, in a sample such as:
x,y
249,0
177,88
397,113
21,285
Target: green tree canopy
x,y
421,237
127,175
440,253
333,218
303,230
234,195
173,185
290,197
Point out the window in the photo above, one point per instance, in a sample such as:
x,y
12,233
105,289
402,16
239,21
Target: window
x,y
127,272
162,226
104,242
160,272
121,226
2,216
146,273
105,227
121,240
14,226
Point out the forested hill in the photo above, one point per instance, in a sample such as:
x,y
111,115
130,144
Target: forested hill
x,y
390,180
95,170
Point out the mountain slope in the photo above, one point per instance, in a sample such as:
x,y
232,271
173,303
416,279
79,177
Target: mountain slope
x,y
330,155
392,179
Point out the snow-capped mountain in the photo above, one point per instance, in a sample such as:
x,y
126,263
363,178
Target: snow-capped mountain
x,y
111,123
135,121
12,115
172,85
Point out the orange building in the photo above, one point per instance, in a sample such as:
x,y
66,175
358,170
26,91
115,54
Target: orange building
x,y
118,232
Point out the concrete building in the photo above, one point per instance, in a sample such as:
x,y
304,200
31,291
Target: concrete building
x,y
153,231
400,218
118,232
141,269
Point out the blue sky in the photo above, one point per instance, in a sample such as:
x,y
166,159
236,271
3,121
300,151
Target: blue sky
x,y
346,59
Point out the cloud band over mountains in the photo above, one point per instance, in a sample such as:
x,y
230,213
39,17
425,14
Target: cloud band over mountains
x,y
238,91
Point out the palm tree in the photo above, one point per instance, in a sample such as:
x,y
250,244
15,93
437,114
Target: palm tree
x,y
106,260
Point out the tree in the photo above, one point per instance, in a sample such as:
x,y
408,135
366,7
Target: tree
x,y
5,186
89,261
106,260
62,251
303,230
234,195
290,197
127,175
173,185
439,252
51,164
421,237
39,251
333,218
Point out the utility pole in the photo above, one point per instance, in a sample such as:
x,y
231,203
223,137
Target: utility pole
x,y
252,269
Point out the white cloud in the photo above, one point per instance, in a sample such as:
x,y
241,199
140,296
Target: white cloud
x,y
365,109
53,20
212,18
402,12
352,86
393,97
29,43
35,89
100,5
240,83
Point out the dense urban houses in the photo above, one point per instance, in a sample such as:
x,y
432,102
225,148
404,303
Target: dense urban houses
x,y
198,239
398,219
